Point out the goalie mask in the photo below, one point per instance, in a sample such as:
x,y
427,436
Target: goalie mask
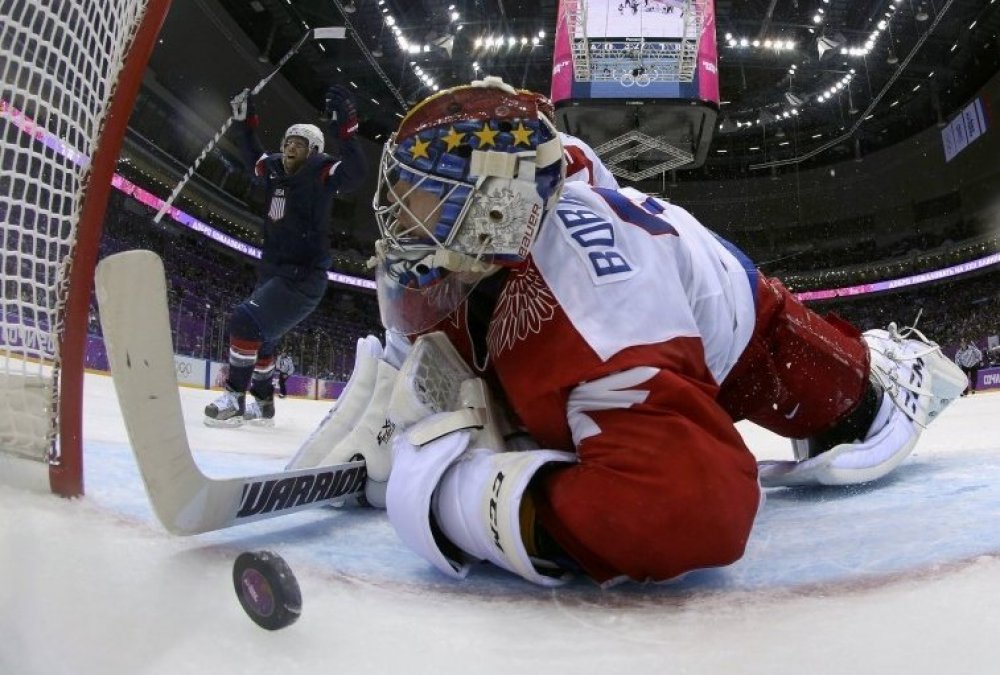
x,y
464,186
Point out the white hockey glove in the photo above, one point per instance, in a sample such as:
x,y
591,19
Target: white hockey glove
x,y
242,106
455,495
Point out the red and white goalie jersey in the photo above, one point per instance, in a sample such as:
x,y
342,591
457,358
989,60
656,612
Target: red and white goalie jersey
x,y
611,341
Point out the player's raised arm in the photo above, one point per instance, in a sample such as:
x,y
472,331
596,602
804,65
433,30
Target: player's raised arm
x,y
247,121
350,166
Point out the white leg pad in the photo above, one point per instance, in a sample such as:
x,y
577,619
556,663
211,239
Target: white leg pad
x,y
475,498
348,409
371,437
851,463
358,424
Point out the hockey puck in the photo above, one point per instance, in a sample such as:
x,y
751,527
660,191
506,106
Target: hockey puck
x,y
267,589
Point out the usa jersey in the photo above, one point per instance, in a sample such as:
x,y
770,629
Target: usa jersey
x,y
297,225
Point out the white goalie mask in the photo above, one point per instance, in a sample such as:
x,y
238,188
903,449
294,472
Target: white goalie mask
x,y
464,186
310,132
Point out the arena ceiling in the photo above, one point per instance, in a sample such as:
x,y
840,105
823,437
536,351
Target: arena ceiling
x,y
925,62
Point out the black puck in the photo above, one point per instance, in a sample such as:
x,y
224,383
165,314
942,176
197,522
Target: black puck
x,y
267,589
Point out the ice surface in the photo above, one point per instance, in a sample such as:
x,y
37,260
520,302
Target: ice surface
x,y
902,576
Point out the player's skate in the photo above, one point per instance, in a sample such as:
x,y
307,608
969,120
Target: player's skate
x,y
227,410
917,382
259,411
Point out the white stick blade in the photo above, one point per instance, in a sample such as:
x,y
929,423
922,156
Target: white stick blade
x,y
330,33
132,298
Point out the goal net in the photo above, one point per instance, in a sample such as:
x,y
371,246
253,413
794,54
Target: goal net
x,y
70,73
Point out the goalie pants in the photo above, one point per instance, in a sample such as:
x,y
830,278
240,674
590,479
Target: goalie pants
x,y
664,511
801,373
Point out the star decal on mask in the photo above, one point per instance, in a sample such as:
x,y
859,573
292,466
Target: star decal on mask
x,y
453,139
419,148
487,136
522,134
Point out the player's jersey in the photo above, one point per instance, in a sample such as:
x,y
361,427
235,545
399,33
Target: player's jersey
x,y
297,225
611,341
616,278
583,164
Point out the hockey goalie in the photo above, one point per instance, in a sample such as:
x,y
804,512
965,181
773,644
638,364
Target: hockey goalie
x,y
566,363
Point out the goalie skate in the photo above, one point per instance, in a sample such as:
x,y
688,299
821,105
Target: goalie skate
x,y
918,383
921,380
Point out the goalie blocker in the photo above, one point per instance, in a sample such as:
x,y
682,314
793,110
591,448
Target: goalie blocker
x,y
455,502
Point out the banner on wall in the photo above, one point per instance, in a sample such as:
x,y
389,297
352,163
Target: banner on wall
x,y
988,378
190,371
967,126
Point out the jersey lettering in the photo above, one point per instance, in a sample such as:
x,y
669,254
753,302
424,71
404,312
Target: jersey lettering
x,y
608,262
277,210
595,240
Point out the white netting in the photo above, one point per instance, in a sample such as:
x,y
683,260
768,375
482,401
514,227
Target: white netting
x,y
59,61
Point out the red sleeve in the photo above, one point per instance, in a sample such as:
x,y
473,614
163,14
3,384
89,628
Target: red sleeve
x,y
665,485
577,161
259,167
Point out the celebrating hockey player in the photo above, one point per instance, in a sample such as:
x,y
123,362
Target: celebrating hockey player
x,y
300,183
622,336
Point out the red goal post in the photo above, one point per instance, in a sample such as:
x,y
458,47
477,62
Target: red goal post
x,y
71,72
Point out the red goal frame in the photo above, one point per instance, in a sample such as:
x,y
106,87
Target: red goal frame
x,y
66,474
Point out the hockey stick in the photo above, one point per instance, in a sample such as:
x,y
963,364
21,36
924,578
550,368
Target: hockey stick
x,y
331,33
132,295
